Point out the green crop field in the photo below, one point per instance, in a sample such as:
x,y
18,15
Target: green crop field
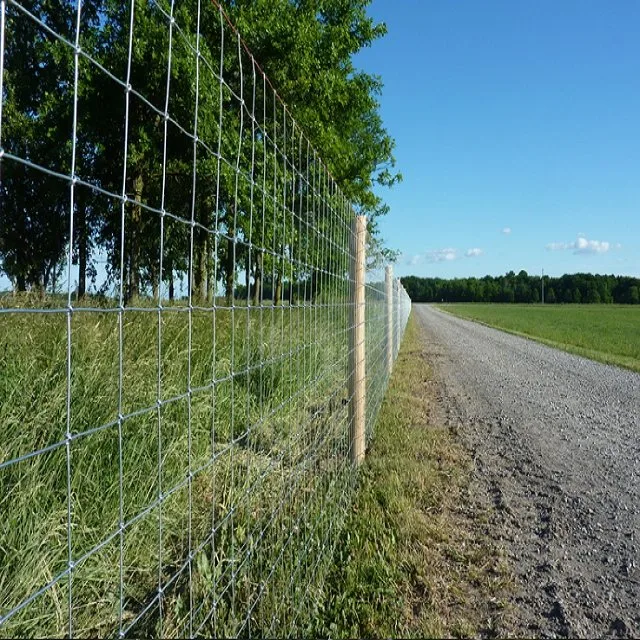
x,y
607,333
218,440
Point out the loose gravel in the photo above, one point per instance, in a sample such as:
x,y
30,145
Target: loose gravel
x,y
555,440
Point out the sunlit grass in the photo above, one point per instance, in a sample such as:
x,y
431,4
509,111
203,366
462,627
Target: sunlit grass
x,y
218,439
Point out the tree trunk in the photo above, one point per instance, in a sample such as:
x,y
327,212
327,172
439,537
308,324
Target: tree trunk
x,y
315,284
21,283
200,265
41,284
172,290
134,236
210,280
154,279
247,275
277,296
132,288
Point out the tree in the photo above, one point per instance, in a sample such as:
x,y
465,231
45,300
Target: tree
x,y
188,212
500,289
306,48
550,296
37,88
592,297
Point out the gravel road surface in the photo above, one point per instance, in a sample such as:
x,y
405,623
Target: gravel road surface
x,y
556,443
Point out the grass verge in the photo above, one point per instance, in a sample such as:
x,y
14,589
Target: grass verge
x,y
203,480
605,333
413,560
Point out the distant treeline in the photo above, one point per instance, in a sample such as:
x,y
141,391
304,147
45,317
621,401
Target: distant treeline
x,y
522,287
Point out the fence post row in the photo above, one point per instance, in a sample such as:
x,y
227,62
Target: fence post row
x,y
388,282
357,374
398,315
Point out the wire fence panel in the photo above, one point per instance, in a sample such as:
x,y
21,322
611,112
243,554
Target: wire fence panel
x,y
377,371
174,395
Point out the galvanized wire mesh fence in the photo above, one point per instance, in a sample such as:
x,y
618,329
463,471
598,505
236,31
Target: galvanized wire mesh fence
x,y
175,442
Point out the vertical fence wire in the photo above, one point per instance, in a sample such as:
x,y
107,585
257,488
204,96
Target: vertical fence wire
x,y
175,452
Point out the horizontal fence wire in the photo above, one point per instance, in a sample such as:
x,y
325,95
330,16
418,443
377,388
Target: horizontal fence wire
x,y
175,386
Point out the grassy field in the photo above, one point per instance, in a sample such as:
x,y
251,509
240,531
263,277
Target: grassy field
x,y
412,560
606,333
206,463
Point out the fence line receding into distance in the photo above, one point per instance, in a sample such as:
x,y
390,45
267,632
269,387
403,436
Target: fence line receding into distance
x,y
197,359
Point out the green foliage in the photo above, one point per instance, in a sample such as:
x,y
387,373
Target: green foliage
x,y
306,48
36,120
259,207
607,333
523,288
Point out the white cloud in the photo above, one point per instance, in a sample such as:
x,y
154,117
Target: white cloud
x,y
591,246
441,255
582,246
559,246
507,231
448,254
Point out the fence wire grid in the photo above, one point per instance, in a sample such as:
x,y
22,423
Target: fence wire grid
x,y
175,382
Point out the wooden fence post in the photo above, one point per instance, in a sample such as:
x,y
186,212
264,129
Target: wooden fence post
x,y
357,377
388,282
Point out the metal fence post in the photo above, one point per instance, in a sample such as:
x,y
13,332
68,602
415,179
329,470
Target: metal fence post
x,y
388,281
357,377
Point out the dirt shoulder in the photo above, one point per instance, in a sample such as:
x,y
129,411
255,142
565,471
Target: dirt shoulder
x,y
417,557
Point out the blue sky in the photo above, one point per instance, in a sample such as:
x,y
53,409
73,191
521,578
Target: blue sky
x,y
517,125
518,134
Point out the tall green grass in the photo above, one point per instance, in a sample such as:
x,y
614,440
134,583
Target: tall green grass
x,y
224,451
606,333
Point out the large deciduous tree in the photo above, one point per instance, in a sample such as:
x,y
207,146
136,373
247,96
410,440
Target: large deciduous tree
x,y
36,127
265,204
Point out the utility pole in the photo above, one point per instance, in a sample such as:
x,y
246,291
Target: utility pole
x,y
542,285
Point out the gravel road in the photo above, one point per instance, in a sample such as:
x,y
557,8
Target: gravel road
x,y
556,443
